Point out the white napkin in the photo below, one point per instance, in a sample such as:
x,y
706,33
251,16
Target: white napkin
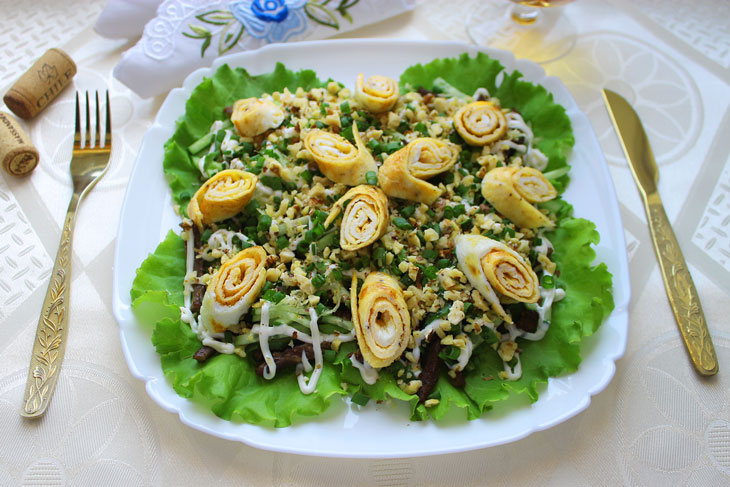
x,y
189,34
125,19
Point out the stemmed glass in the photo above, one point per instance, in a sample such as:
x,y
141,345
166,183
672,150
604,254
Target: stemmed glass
x,y
528,28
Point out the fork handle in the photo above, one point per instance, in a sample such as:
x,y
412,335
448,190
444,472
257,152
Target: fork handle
x,y
49,345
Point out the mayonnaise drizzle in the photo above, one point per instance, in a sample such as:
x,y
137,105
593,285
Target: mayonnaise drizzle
x,y
533,156
186,315
221,242
367,372
265,331
464,355
481,93
425,332
308,384
516,373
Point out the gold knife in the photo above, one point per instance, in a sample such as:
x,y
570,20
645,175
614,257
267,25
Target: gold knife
x,y
683,297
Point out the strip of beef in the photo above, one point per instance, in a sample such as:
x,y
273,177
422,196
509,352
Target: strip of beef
x,y
528,321
199,268
458,380
204,353
287,357
431,369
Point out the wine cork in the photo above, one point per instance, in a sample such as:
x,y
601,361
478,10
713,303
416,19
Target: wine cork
x,y
17,153
38,86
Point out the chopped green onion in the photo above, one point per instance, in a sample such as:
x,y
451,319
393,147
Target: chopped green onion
x,y
274,296
264,222
430,272
408,211
547,281
345,107
272,182
360,399
318,281
450,352
307,175
282,241
372,178
379,253
202,143
392,146
467,224
402,223
430,254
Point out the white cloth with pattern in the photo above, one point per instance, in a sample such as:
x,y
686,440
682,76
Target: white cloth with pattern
x,y
189,34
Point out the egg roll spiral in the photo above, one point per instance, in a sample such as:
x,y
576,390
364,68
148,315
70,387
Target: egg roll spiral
x,y
365,217
253,116
403,172
377,94
512,192
480,123
492,266
222,196
381,319
233,289
338,159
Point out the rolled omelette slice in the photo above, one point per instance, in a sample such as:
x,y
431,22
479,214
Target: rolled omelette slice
x,y
253,116
222,196
403,172
377,94
338,159
233,289
381,319
513,191
365,219
492,267
480,123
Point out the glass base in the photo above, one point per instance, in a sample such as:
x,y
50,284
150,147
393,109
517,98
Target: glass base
x,y
551,36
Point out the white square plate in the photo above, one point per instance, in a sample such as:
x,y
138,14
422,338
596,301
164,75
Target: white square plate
x,y
377,430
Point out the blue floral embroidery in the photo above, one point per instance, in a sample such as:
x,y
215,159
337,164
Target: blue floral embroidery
x,y
273,20
270,10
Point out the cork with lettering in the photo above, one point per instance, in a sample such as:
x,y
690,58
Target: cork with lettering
x,y
17,153
38,86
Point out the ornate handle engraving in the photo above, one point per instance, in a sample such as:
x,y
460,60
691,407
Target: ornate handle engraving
x,y
680,289
50,340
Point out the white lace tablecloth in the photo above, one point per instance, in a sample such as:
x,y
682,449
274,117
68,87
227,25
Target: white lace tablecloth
x,y
657,423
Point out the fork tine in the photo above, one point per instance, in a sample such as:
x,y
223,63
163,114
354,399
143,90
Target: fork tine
x,y
77,129
108,135
88,124
97,141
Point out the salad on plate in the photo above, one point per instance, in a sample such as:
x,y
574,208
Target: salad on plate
x,y
399,240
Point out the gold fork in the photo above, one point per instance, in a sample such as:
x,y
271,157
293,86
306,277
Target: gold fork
x,y
89,163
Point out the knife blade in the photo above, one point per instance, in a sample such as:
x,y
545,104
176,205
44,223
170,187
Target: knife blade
x,y
683,297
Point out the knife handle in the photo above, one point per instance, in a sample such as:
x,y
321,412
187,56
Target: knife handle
x,y
683,297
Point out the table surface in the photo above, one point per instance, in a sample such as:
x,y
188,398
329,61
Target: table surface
x,y
657,422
